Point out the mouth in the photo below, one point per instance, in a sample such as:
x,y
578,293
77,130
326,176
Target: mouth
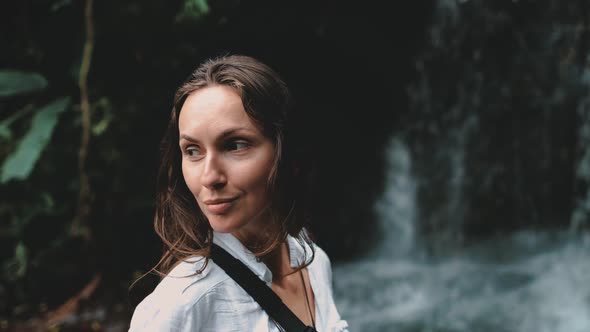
x,y
219,205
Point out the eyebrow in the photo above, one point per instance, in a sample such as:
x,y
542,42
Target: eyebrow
x,y
224,134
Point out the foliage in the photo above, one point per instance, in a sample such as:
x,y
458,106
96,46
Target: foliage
x,y
193,10
18,165
14,82
40,130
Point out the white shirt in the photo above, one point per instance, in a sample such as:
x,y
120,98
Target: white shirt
x,y
212,301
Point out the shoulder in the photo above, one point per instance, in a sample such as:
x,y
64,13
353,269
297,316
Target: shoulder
x,y
320,254
182,298
184,285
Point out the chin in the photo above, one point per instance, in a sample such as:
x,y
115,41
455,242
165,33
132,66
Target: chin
x,y
223,226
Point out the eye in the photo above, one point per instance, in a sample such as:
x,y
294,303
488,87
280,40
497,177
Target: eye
x,y
192,151
236,145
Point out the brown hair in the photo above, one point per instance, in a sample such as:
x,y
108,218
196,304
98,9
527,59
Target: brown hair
x,y
178,221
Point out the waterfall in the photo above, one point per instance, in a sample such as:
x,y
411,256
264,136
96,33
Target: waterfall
x,y
471,141
396,209
527,281
581,213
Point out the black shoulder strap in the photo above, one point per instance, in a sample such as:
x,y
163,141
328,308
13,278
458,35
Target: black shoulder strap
x,y
260,292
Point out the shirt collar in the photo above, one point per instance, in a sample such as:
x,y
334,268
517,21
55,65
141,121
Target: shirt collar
x,y
232,245
297,253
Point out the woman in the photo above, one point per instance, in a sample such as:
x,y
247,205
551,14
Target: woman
x,y
232,175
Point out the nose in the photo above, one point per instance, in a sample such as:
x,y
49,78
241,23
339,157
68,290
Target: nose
x,y
213,176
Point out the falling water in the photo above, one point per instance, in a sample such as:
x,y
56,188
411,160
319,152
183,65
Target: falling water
x,y
397,206
582,212
528,281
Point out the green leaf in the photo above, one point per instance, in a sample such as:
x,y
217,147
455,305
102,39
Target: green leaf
x,y
102,125
14,82
48,201
5,133
20,258
59,4
193,10
103,106
20,163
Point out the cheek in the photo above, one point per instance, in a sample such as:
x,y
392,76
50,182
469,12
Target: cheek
x,y
255,177
190,178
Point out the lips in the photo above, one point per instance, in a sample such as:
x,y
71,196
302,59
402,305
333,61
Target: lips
x,y
220,205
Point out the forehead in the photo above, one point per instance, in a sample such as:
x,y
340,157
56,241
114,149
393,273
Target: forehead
x,y
211,109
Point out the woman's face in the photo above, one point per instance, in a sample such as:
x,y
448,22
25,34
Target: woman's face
x,y
226,160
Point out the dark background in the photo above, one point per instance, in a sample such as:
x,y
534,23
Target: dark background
x,y
505,83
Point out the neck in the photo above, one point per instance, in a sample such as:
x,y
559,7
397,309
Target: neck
x,y
279,261
256,234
